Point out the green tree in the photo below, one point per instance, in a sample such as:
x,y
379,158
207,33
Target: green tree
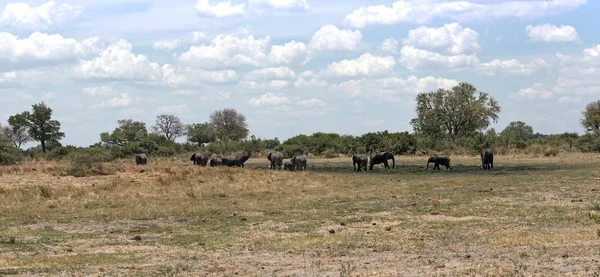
x,y
459,111
169,126
128,131
591,117
16,132
200,133
516,134
39,124
230,124
8,153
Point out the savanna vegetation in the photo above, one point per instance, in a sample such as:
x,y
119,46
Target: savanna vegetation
x,y
67,210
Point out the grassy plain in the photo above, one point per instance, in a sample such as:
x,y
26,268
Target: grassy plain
x,y
530,216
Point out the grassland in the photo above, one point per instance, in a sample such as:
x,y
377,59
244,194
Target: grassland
x,y
531,216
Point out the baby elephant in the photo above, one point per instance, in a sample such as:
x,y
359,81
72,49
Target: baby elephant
x,y
439,160
288,166
141,159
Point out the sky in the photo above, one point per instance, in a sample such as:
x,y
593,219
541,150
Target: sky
x,y
295,66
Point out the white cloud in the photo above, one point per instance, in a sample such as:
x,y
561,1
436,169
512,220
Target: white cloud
x,y
281,4
49,96
266,85
103,90
413,59
172,109
537,91
331,38
189,76
118,62
228,50
289,53
569,99
417,11
198,37
220,9
7,76
268,99
43,47
366,64
513,66
272,73
166,45
21,15
121,101
393,89
552,33
389,45
313,102
454,38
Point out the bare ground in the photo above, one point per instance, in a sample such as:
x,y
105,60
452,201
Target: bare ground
x,y
530,216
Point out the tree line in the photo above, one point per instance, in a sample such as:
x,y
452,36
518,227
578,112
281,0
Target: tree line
x,y
452,120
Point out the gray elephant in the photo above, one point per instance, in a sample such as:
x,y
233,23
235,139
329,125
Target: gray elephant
x,y
141,159
288,166
361,160
382,157
200,159
299,162
276,160
439,160
237,161
487,159
216,161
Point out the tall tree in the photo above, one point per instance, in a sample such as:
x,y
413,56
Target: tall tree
x,y
17,133
169,126
461,110
39,124
591,117
127,131
516,134
200,133
230,124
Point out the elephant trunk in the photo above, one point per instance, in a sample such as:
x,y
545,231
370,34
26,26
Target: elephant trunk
x,y
427,167
393,162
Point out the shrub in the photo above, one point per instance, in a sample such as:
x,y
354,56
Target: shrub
x,y
88,162
60,152
330,153
551,151
8,153
164,151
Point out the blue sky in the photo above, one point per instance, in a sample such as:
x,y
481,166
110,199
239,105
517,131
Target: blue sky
x,y
295,66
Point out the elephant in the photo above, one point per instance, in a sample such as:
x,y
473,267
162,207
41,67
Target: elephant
x,y
288,166
361,161
299,162
237,161
276,160
200,159
439,160
487,159
383,157
216,161
141,159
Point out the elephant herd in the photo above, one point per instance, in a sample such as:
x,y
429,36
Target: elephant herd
x,y
359,162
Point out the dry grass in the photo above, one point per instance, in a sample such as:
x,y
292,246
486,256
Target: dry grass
x,y
532,215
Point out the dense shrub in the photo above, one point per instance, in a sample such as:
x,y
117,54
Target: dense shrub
x,y
8,153
88,162
165,151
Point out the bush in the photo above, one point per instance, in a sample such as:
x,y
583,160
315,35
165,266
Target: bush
x,y
60,152
551,151
165,151
10,155
88,162
330,153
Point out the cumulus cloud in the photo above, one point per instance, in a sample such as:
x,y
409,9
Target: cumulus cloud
x,y
198,37
331,38
513,66
289,53
569,99
313,102
268,99
453,38
393,89
175,76
7,77
118,62
172,109
21,15
413,59
266,85
365,65
290,5
389,45
552,33
166,45
415,11
220,9
537,91
103,90
121,101
272,73
47,48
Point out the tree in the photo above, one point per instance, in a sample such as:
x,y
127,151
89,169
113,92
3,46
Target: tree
x,y
459,111
200,133
39,124
17,133
128,131
230,124
516,134
169,126
591,117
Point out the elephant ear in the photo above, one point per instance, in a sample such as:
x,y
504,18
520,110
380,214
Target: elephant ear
x,y
269,156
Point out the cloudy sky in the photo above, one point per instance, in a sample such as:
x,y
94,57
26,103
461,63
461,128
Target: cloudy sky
x,y
295,66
